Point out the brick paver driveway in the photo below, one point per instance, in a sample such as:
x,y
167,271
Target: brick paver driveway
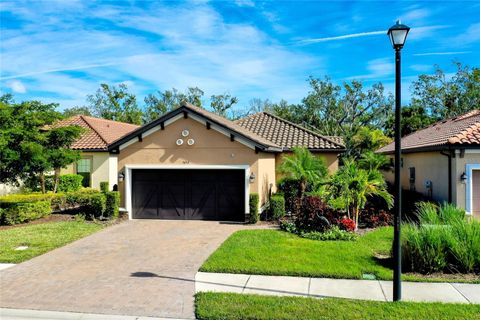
x,y
144,268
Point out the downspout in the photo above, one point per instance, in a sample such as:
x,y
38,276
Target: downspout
x,y
449,156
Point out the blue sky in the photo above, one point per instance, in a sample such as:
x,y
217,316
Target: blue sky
x,y
60,51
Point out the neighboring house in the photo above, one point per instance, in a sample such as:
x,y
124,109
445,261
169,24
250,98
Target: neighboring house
x,y
442,161
191,163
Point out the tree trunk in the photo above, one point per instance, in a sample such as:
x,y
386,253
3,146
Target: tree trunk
x,y
357,209
42,182
56,180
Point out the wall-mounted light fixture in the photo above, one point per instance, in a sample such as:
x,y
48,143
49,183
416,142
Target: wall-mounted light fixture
x,y
463,178
121,176
252,177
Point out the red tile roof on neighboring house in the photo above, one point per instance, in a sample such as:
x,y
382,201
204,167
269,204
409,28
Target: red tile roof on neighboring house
x,y
287,134
100,132
462,130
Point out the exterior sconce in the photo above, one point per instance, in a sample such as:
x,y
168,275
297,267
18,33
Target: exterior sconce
x,y
463,178
121,176
252,177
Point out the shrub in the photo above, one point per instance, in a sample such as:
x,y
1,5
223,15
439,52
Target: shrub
x,y
70,183
112,202
371,217
277,206
104,187
25,211
346,224
464,246
288,226
334,233
290,188
12,199
253,203
312,215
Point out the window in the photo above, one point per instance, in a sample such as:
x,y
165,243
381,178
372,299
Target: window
x,y
84,168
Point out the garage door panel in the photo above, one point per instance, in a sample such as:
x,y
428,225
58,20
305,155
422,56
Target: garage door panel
x,y
189,194
146,200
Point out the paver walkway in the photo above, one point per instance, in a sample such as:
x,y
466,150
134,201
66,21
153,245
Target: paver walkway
x,y
139,268
341,288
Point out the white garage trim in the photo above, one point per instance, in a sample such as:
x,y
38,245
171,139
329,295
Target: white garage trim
x,y
129,187
469,191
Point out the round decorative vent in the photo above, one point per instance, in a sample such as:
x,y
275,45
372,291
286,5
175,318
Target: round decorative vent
x,y
179,142
190,142
185,133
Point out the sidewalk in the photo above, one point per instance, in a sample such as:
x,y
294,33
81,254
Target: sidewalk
x,y
340,288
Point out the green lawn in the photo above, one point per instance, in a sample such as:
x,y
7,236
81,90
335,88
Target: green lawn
x,y
216,306
41,238
274,252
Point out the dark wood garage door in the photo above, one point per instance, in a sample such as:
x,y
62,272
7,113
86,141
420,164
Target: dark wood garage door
x,y
189,194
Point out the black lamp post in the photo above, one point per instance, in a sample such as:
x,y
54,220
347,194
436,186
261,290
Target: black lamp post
x,y
397,34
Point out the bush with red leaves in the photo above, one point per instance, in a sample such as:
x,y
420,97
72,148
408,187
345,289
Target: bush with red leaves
x,y
346,224
372,218
314,215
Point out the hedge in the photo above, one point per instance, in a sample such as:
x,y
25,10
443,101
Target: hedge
x,y
104,187
112,203
24,211
277,206
254,215
70,183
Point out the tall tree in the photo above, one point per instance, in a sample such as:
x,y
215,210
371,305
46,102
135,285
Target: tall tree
x,y
414,117
222,103
366,139
444,96
115,103
29,145
75,111
164,101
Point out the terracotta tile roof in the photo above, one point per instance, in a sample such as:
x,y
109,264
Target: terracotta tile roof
x,y
287,134
461,130
100,132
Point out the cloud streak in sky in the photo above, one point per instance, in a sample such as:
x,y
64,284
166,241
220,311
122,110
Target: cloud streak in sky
x,y
346,36
88,66
440,53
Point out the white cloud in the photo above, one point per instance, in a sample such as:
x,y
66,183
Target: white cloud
x,y
446,53
415,15
17,86
378,68
471,35
245,3
342,37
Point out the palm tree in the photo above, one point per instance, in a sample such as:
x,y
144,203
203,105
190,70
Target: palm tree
x,y
303,166
374,161
351,186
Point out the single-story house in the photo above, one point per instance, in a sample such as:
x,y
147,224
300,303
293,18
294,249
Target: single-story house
x,y
442,161
191,163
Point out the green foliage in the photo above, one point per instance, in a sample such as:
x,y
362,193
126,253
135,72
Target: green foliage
x,y
288,226
164,101
303,166
115,103
370,160
290,188
442,96
350,187
104,186
444,241
222,103
365,140
75,111
334,233
277,206
414,117
253,204
24,211
70,183
112,202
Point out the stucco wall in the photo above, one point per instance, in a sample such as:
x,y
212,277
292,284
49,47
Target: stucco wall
x,y
429,166
210,148
103,168
331,160
470,157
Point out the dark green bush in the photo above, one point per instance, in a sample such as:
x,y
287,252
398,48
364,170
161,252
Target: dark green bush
x,y
104,187
24,211
254,215
277,206
290,189
288,226
70,183
112,203
334,233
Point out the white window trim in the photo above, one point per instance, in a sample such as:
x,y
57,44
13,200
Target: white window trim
x,y
128,179
468,192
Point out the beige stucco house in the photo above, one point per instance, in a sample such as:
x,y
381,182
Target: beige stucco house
x,y
191,163
442,161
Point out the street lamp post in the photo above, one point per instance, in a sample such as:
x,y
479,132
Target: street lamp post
x,y
397,34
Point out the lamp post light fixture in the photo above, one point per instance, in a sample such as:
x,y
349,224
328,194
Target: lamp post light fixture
x,y
397,34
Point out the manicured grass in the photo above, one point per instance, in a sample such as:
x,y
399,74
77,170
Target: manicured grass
x,y
216,306
274,252
41,238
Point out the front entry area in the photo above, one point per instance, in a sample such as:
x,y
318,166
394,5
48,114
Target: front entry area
x,y
188,194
